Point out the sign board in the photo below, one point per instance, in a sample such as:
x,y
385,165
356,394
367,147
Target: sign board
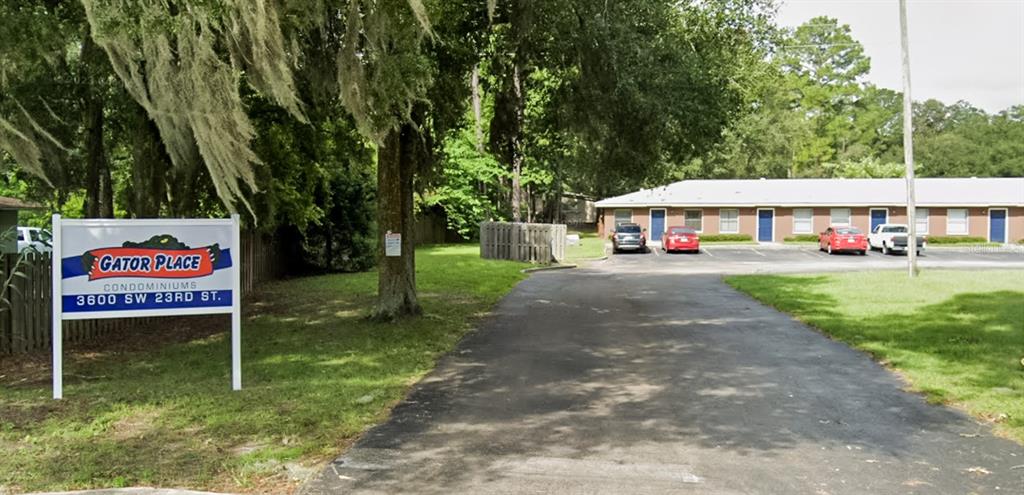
x,y
138,268
392,244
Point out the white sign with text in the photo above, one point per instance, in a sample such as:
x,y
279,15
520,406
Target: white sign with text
x,y
151,267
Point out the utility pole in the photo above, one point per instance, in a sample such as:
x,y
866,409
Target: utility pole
x,y
908,145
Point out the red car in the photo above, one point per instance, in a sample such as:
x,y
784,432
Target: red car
x,y
681,239
838,239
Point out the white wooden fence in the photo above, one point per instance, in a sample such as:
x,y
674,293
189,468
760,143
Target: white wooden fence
x,y
528,242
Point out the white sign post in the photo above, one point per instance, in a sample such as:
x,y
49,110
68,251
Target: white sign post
x,y
137,268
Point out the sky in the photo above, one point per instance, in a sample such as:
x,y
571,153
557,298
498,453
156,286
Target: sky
x,y
959,49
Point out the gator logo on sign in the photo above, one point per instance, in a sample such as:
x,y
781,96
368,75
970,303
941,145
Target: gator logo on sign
x,y
161,256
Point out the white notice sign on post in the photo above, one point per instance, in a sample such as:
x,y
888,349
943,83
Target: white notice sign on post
x,y
392,244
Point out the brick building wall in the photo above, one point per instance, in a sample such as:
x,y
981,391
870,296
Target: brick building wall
x,y
977,223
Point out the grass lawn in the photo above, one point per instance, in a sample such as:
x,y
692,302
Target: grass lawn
x,y
315,375
590,247
957,336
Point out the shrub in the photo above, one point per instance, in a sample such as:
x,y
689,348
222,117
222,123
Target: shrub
x,y
802,238
726,238
956,239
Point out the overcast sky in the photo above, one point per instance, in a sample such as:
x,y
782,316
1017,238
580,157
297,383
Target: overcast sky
x,y
959,49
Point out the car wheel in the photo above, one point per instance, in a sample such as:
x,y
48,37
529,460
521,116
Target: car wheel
x,y
863,252
829,248
885,248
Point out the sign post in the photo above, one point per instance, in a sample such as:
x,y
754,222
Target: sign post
x,y
140,268
58,325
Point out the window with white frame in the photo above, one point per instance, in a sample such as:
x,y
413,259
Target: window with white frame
x,y
921,224
956,221
694,219
623,216
728,221
803,221
840,216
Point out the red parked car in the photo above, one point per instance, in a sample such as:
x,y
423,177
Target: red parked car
x,y
838,239
681,239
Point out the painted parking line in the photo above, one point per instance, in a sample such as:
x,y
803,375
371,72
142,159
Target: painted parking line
x,y
705,251
759,253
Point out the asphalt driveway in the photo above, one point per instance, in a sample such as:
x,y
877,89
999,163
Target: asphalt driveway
x,y
604,380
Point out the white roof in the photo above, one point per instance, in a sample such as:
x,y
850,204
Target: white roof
x,y
827,192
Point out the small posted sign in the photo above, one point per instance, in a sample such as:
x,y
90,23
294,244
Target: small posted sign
x,y
392,244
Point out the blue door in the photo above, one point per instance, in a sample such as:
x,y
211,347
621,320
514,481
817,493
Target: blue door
x,y
657,224
878,217
765,225
997,226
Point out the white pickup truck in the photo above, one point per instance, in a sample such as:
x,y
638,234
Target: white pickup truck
x,y
892,237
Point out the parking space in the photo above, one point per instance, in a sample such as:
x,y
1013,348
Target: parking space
x,y
782,258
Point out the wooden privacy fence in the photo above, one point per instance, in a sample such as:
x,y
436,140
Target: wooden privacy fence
x,y
529,242
25,322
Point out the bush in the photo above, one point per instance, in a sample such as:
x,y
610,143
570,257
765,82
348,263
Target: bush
x,y
956,239
726,238
802,238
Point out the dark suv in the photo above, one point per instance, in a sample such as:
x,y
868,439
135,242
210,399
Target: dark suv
x,y
629,237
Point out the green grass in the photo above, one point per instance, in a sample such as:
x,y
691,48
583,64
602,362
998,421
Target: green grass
x,y
590,247
955,239
958,336
963,245
727,238
802,239
316,373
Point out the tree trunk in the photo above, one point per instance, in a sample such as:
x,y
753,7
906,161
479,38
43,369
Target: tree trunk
x,y
396,275
477,108
149,165
517,144
559,193
99,194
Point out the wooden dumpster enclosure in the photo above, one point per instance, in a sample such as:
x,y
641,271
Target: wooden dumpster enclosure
x,y
527,242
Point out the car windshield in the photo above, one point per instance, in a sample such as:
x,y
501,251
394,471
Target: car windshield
x,y
629,229
681,230
895,229
847,231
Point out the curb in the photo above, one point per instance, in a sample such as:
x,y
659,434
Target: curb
x,y
131,491
548,268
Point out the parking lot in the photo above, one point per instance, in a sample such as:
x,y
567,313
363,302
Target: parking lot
x,y
795,259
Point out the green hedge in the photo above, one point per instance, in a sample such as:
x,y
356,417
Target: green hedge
x,y
802,238
726,238
956,239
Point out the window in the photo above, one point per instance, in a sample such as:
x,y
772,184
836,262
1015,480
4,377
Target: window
x,y
840,216
922,220
729,221
956,221
623,216
694,219
803,221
